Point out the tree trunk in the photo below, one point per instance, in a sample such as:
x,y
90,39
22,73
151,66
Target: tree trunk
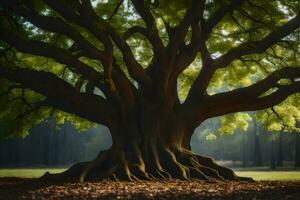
x,y
145,152
297,150
272,156
280,150
244,151
257,157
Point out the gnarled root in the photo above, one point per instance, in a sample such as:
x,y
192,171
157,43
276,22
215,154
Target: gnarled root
x,y
135,165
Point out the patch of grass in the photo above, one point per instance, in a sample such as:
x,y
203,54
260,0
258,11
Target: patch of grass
x,y
28,172
271,175
256,175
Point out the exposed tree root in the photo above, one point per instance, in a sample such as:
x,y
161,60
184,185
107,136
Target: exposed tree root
x,y
163,163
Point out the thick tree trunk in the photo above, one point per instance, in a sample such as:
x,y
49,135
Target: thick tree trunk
x,y
147,155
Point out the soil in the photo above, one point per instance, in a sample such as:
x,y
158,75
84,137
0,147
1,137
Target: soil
x,y
15,188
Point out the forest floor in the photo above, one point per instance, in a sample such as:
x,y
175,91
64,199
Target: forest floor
x,y
18,188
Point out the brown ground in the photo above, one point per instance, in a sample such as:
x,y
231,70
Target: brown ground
x,y
13,188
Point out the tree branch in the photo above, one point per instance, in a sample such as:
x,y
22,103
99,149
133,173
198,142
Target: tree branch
x,y
115,10
258,46
189,52
56,25
149,20
198,89
88,19
134,29
220,14
60,94
84,16
250,98
192,16
260,87
60,55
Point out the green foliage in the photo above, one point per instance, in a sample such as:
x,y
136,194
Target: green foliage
x,y
211,136
234,29
187,77
79,123
283,116
233,121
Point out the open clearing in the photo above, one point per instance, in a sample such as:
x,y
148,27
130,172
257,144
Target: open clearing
x,y
256,175
271,175
28,172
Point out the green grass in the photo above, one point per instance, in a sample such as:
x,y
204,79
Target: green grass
x,y
271,175
256,175
27,172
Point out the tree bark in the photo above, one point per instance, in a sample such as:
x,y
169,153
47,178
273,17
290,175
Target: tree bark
x,y
152,149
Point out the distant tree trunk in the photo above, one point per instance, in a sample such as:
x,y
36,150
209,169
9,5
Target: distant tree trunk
x,y
16,153
297,150
280,150
46,141
257,157
55,155
1,154
272,156
244,151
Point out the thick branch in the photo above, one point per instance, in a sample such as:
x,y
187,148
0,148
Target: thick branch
x,y
260,87
189,52
149,20
258,46
84,16
133,30
56,25
192,16
60,94
135,70
199,87
249,98
220,14
60,55
250,104
201,31
222,104
115,10
100,28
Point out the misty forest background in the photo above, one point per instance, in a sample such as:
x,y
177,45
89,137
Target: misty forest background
x,y
48,145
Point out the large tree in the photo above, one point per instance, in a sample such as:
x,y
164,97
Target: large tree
x,y
151,71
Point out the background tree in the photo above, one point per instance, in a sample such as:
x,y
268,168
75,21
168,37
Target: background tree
x,y
151,71
297,150
257,157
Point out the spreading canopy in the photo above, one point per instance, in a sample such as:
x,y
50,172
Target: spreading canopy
x,y
200,58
